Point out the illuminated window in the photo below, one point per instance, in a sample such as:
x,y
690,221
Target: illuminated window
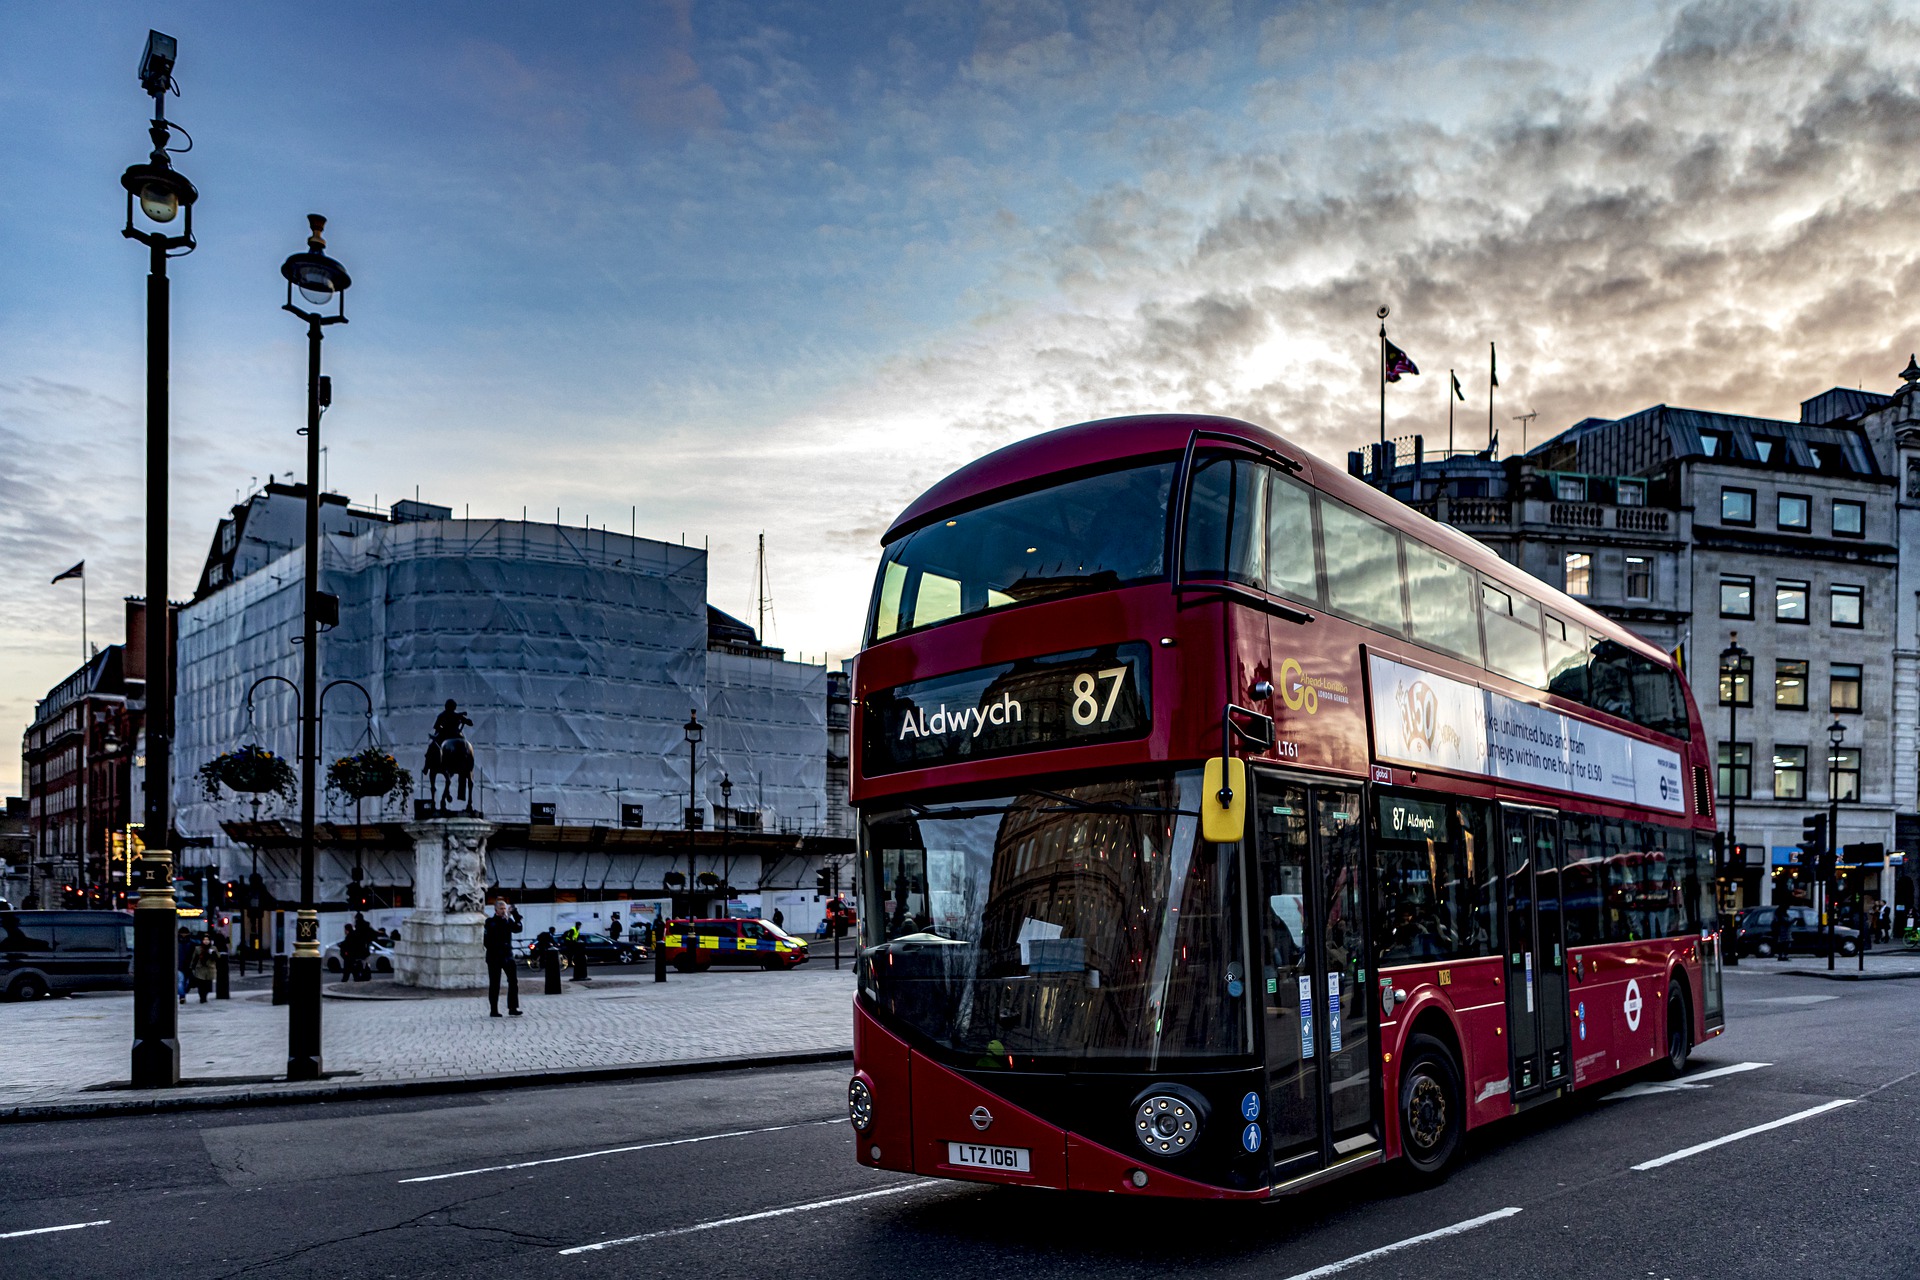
x,y
1579,571
1790,684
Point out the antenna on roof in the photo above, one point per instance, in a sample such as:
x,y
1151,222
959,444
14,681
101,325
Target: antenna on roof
x,y
1524,419
762,590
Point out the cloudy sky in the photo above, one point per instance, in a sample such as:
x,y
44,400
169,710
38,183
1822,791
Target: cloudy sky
x,y
780,265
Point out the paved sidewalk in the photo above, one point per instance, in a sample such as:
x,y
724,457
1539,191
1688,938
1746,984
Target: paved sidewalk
x,y
60,1056
1888,960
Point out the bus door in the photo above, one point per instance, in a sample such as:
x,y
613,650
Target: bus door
x,y
1536,953
1317,975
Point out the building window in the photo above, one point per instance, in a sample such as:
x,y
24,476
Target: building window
x,y
1789,773
1570,488
1795,512
1845,610
1764,448
1790,684
1849,519
1843,685
1736,596
1790,602
1633,493
1736,506
1736,684
1711,443
1845,766
1579,569
1639,578
1736,770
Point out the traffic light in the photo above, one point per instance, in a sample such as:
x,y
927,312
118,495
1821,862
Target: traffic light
x,y
822,882
1813,841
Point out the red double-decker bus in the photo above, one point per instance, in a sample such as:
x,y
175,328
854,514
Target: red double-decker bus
x,y
1226,826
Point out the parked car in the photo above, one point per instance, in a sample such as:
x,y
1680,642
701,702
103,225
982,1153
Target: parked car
x,y
379,958
1753,933
600,950
56,952
697,945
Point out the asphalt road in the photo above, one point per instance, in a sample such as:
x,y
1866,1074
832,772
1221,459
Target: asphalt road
x,y
750,1175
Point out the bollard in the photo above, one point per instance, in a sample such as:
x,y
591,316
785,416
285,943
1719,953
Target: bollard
x,y
659,959
222,968
552,962
279,979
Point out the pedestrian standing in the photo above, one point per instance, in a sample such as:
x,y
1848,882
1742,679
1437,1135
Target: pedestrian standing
x,y
203,967
778,919
497,936
576,951
183,961
613,928
1886,923
1782,931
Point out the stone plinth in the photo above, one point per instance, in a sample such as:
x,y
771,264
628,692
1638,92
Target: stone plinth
x,y
440,942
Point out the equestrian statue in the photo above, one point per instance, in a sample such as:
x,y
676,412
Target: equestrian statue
x,y
450,756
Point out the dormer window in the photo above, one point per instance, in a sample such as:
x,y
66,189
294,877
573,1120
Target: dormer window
x,y
1633,493
1765,448
1712,443
1570,488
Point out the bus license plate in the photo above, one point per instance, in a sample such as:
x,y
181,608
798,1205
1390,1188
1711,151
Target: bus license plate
x,y
972,1155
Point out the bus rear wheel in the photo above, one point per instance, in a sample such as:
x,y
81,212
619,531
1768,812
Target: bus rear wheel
x,y
1679,1035
1432,1108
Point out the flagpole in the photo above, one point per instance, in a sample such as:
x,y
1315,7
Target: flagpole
x,y
1381,459
86,651
1451,381
1493,380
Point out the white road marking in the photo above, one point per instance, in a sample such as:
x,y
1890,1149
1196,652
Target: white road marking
x,y
41,1231
1333,1268
1684,1083
1808,1114
754,1217
615,1151
1793,999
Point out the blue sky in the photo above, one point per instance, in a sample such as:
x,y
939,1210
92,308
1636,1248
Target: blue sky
x,y
779,266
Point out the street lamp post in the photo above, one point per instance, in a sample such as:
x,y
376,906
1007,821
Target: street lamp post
x,y
726,842
1836,734
694,733
160,193
320,281
1732,662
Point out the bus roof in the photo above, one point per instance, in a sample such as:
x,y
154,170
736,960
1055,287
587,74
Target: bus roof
x,y
1092,444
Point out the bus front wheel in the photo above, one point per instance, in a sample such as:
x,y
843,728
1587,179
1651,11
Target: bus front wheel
x,y
1432,1107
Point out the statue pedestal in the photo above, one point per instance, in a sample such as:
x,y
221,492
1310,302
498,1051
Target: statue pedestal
x,y
440,944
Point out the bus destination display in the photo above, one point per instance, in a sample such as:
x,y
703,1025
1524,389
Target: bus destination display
x,y
1035,704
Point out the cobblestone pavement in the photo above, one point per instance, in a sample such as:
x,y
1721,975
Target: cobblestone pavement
x,y
58,1052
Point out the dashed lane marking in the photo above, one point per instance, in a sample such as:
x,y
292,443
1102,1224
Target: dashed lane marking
x,y
810,1207
1696,1149
615,1151
41,1231
1334,1268
1694,1080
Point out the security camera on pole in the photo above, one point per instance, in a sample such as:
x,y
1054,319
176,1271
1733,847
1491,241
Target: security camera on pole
x,y
160,194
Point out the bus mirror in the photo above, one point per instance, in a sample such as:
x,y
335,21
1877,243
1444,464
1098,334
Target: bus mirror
x,y
1223,819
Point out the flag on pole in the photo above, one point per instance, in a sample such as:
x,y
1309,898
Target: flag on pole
x,y
1396,363
1456,385
1493,364
78,571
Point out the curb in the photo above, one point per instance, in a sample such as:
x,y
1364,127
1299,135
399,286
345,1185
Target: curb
x,y
1838,975
411,1088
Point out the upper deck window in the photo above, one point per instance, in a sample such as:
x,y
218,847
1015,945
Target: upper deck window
x,y
1091,534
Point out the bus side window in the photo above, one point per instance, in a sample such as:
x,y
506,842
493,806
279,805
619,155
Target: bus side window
x,y
1226,515
1363,567
1656,697
1608,675
1440,594
1513,635
1584,852
1293,568
1566,659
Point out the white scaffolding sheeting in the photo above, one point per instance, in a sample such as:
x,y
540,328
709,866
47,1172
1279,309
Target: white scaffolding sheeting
x,y
769,737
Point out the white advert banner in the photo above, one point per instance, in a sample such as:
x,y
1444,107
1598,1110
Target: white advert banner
x,y
1428,721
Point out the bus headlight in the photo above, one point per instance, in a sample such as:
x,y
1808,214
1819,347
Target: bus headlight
x,y
1167,1120
860,1104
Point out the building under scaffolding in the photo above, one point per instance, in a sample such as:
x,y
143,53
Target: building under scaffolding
x,y
578,653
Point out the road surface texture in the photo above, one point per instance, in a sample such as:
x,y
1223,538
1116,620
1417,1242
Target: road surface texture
x,y
751,1174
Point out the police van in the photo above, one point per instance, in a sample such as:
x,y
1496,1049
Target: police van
x,y
697,945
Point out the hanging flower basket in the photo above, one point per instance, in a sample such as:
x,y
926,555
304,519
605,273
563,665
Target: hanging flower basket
x,y
251,770
368,774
